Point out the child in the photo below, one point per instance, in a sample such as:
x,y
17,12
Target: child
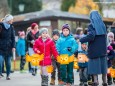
x,y
44,45
110,57
21,50
83,66
66,45
55,64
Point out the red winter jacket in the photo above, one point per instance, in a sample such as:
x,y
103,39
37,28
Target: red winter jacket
x,y
47,48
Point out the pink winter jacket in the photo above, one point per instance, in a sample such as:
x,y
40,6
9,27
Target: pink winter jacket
x,y
47,48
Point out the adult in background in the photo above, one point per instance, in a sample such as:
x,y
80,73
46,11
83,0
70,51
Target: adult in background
x,y
31,37
97,47
7,44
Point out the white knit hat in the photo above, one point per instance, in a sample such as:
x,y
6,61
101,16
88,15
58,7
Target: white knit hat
x,y
8,18
43,30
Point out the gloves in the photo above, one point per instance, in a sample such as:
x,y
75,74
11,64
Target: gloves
x,y
69,48
76,54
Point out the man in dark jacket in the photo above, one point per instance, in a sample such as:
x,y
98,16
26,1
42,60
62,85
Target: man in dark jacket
x,y
7,44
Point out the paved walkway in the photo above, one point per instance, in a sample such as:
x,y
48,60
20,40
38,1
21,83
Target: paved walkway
x,y
26,79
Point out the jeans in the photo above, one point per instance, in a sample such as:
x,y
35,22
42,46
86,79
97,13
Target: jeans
x,y
7,63
83,74
22,62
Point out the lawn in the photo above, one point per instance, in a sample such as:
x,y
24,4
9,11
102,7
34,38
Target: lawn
x,y
16,65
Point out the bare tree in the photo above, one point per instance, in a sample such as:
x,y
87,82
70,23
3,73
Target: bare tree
x,y
3,8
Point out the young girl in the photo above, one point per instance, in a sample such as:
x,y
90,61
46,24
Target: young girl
x,y
21,49
66,45
44,45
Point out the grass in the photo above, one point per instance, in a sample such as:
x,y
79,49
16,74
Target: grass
x,y
16,65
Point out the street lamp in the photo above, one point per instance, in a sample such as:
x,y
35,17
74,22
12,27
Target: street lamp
x,y
21,7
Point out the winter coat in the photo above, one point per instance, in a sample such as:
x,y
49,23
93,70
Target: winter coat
x,y
64,42
7,40
47,48
97,45
31,37
21,47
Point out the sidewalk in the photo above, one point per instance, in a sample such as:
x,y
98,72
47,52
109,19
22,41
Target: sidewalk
x,y
26,79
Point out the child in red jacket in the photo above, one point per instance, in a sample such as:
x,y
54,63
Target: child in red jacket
x,y
44,45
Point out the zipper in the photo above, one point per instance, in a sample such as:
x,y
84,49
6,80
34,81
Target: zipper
x,y
44,53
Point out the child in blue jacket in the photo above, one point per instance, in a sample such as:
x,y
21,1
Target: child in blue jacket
x,y
66,45
21,50
83,66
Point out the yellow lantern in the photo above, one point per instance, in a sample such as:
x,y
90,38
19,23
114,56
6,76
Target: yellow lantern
x,y
50,69
112,72
82,58
63,59
28,58
34,62
36,58
76,65
71,58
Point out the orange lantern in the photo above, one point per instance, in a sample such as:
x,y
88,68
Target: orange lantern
x,y
36,58
50,69
112,72
71,58
34,62
63,59
28,58
76,65
82,58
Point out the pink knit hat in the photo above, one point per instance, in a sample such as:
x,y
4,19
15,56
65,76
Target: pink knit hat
x,y
21,33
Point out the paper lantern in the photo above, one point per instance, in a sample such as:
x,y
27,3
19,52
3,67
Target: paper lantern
x,y
36,58
112,72
76,65
50,69
63,59
82,58
71,58
41,56
28,58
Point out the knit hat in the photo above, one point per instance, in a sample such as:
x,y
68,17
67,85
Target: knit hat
x,y
110,34
43,30
8,18
55,32
66,26
110,47
33,25
21,33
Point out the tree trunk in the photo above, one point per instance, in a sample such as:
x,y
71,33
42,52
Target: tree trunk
x,y
3,8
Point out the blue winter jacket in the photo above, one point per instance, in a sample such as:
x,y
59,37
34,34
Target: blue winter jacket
x,y
21,47
64,42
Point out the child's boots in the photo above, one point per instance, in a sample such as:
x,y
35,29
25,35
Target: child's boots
x,y
44,80
52,82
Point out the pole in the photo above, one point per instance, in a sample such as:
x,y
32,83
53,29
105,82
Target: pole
x,y
14,59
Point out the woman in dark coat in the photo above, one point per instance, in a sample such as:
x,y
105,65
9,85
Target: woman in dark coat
x,y
7,44
31,37
97,47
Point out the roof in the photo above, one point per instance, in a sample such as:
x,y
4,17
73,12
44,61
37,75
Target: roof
x,y
54,14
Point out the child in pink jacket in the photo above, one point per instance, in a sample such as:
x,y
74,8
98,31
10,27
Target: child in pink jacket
x,y
44,45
